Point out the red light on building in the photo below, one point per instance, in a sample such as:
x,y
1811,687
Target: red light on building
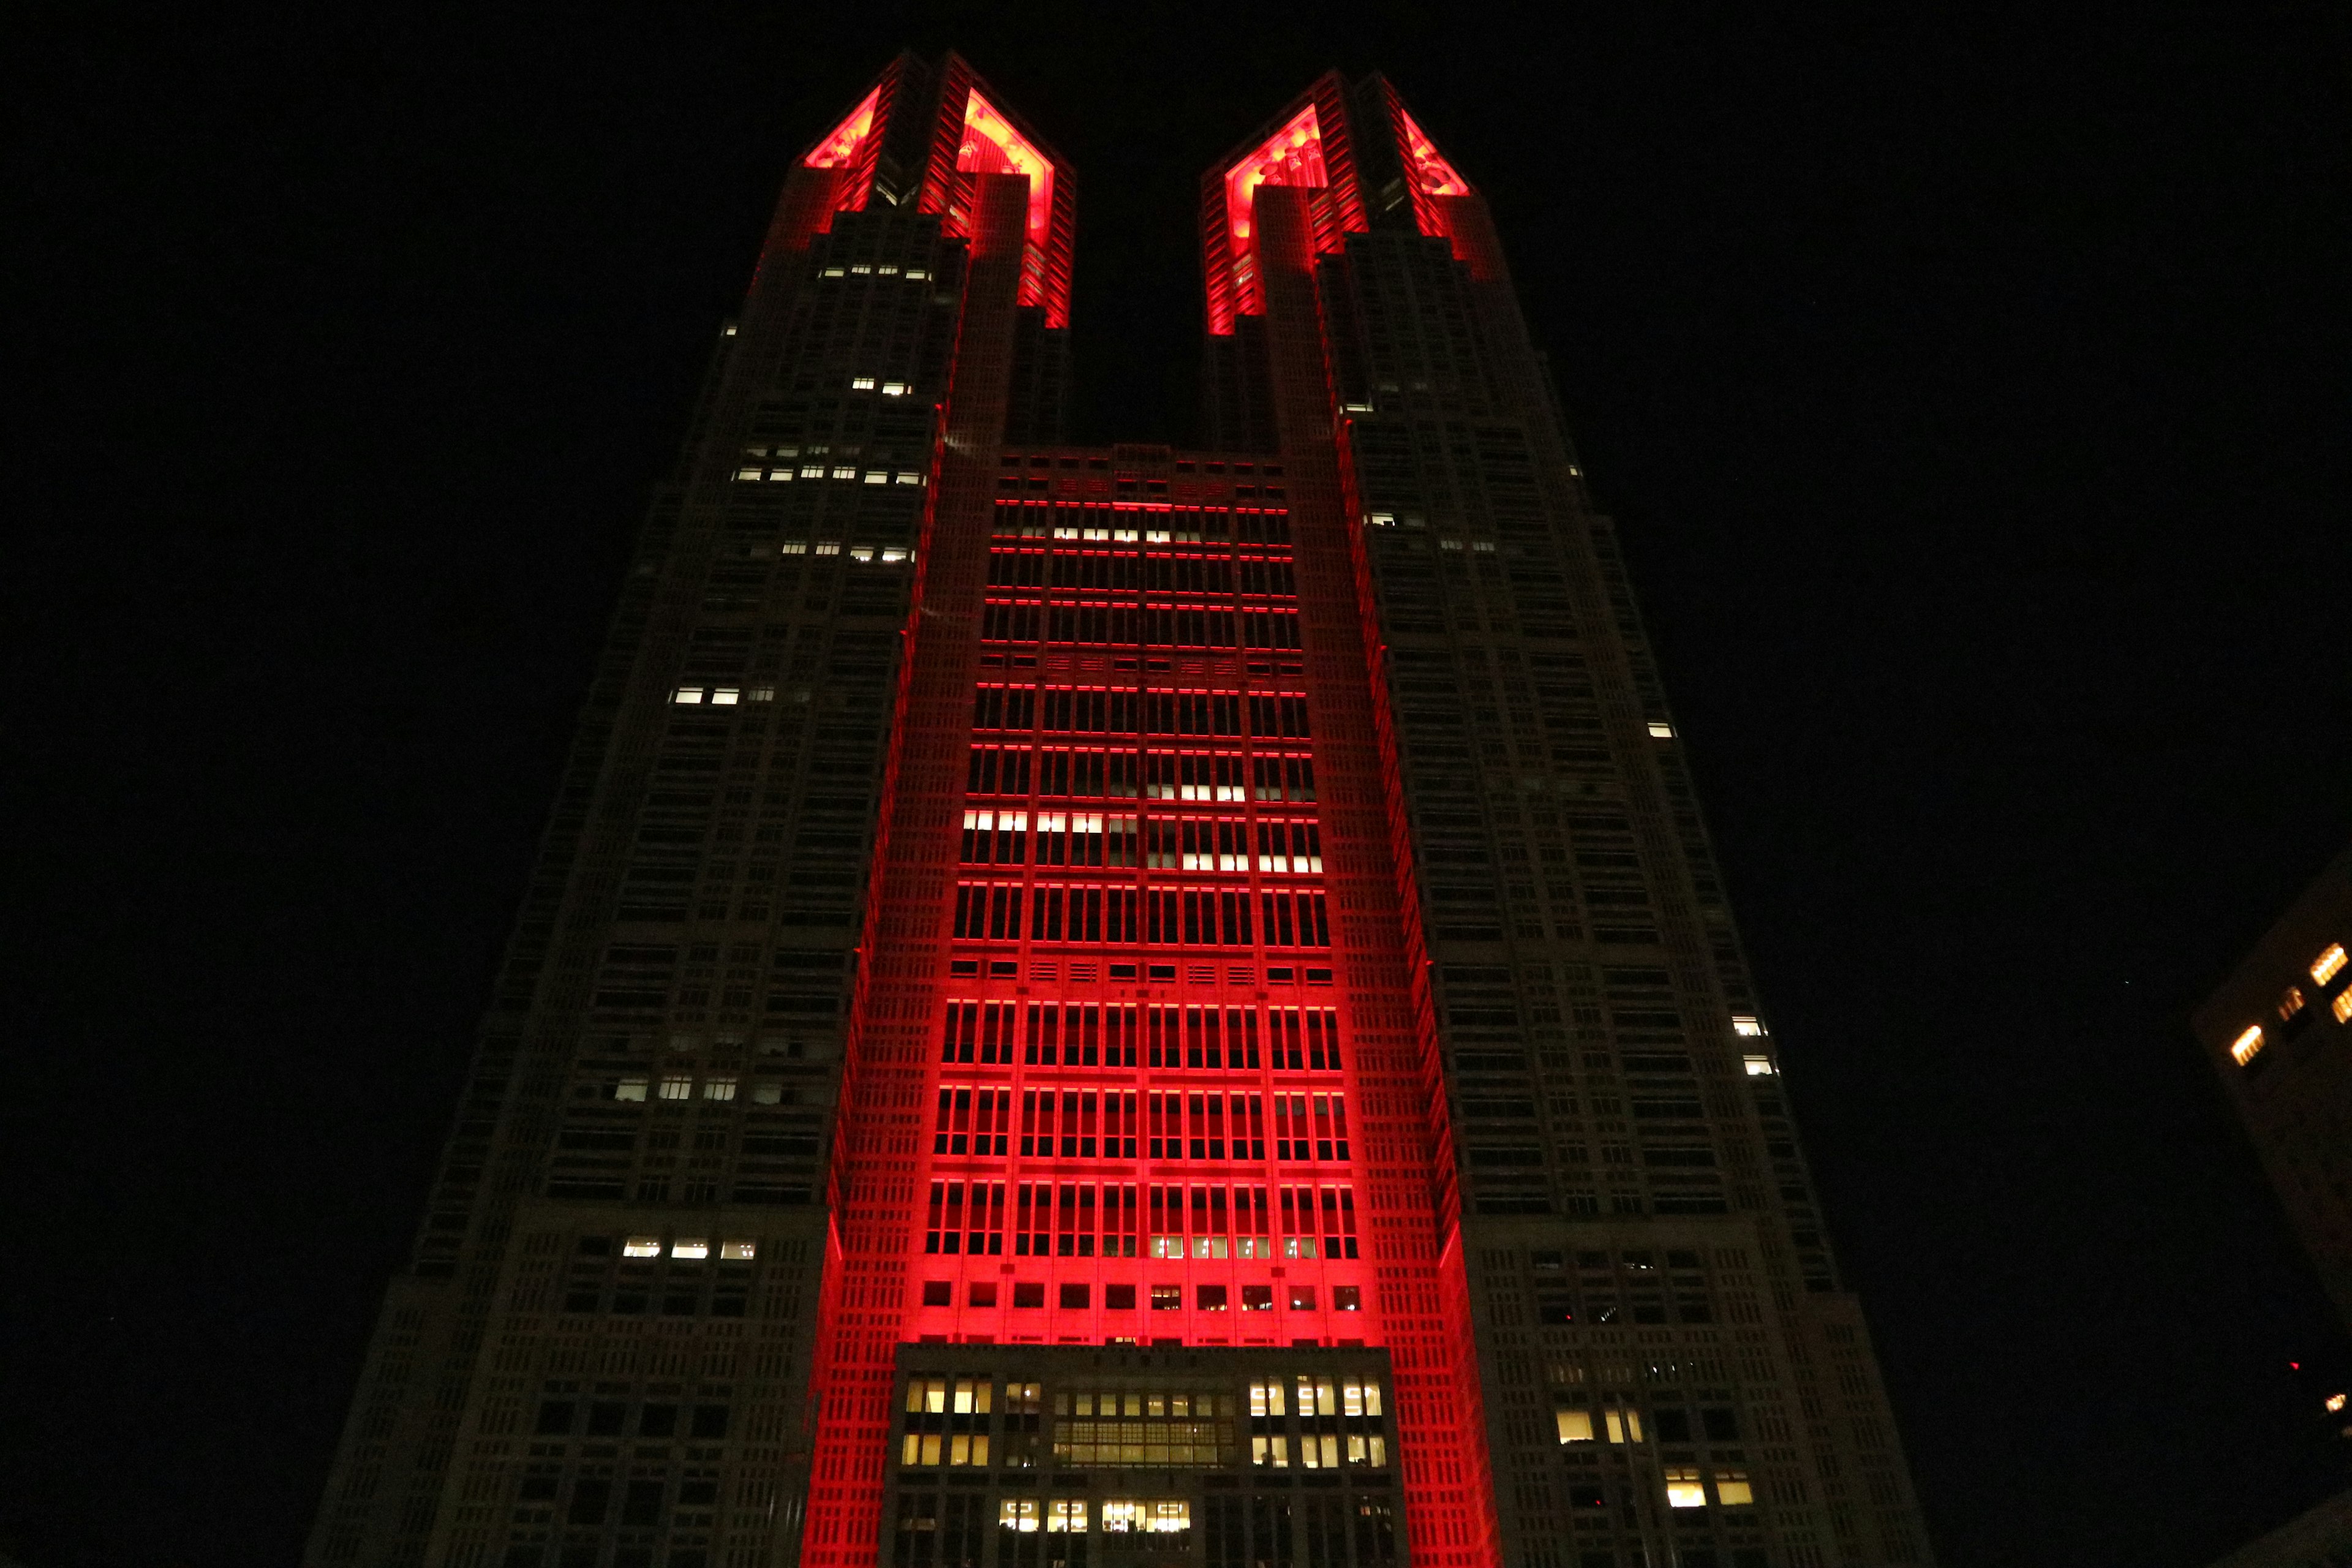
x,y
841,142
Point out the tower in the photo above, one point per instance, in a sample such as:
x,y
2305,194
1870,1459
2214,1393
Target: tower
x,y
1172,1005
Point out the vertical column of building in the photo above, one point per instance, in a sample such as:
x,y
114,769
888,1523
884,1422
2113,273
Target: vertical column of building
x,y
873,1182
1563,891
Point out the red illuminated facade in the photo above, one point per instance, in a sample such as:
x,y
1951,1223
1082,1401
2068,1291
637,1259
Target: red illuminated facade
x,y
1082,1002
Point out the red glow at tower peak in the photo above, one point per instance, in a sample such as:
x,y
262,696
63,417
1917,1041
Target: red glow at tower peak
x,y
1435,176
991,146
841,142
1291,156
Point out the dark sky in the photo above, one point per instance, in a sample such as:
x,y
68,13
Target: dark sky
x,y
1972,391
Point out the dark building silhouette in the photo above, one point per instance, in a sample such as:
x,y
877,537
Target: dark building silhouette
x,y
2276,1031
1167,1004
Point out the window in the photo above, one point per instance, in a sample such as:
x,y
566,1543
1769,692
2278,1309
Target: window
x,y
2248,1046
1683,1488
1074,1296
1067,1516
719,1089
1167,1297
1028,1295
1119,1298
2290,1002
1210,1298
1732,1488
2328,964
2342,1007
939,1292
1747,1026
1757,1065
1575,1425
1346,1297
984,1293
1017,1515
678,1088
630,1089
1257,1298
695,1248
641,1247
1660,730
1302,1297
1624,1426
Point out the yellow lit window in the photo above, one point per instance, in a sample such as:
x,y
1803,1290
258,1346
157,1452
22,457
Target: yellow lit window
x,y
1168,1517
1575,1425
1660,730
2328,964
1733,1489
2343,1008
1624,1426
1747,1025
1683,1488
641,1247
2248,1046
739,1251
1017,1515
689,1246
1121,1515
1069,1517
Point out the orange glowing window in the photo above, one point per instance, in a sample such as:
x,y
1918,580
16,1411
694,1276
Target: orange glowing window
x,y
2328,964
991,146
842,145
2342,1008
1436,175
2291,1003
1291,156
2248,1046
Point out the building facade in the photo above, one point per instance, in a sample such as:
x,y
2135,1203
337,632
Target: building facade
x,y
1167,1004
2276,1031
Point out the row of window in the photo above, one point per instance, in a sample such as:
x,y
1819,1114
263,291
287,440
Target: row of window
x,y
1158,1034
720,1088
1132,773
1239,525
1125,1219
784,473
2332,983
1275,846
985,1295
1167,1124
1119,1516
1159,916
1212,572
1130,710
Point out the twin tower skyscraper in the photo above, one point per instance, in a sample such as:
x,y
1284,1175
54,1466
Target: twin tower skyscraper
x,y
1120,1006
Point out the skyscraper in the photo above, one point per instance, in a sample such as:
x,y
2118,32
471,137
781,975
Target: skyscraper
x,y
1172,1005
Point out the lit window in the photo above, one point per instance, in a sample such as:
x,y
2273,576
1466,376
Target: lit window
x,y
829,546
863,553
843,471
629,1088
781,476
1575,1425
795,547
2248,1046
1357,407
767,1092
725,695
1733,1489
761,694
1660,730
1017,1515
739,1251
678,1088
2328,964
1449,545
907,478
1624,1426
2334,1403
1068,1515
719,1089
861,383
833,272
689,1248
687,694
878,476
747,473
890,557
1747,1026
917,274
813,472
894,389
862,269
641,1247
2343,1007
2290,1001
1759,1066
1169,1518
1487,547
731,331
1683,1488
1266,1398
1120,1516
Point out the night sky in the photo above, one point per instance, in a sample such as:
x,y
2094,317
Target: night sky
x,y
1971,392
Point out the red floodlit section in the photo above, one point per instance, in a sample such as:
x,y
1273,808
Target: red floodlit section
x,y
1431,173
841,142
1143,1114
992,146
1308,152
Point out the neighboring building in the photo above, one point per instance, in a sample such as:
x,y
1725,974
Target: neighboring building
x,y
1172,1003
2279,1031
2319,1538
